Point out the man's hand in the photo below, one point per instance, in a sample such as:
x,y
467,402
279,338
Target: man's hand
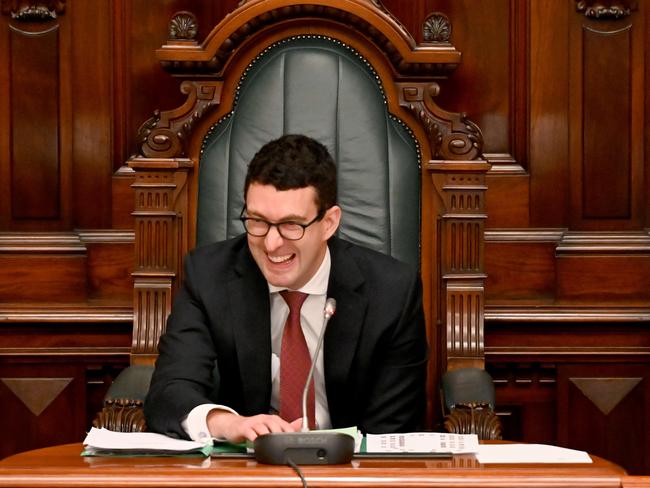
x,y
235,428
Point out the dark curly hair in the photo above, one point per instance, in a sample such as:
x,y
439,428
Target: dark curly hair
x,y
295,161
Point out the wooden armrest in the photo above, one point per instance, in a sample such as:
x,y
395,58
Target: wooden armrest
x,y
121,415
474,418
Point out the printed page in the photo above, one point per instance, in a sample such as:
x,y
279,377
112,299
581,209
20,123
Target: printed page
x,y
414,442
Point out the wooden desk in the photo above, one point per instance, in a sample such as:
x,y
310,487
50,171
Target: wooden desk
x,y
61,466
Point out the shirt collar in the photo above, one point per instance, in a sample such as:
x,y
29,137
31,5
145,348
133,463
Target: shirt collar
x,y
317,285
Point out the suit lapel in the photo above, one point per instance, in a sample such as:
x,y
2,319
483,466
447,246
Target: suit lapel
x,y
249,299
344,329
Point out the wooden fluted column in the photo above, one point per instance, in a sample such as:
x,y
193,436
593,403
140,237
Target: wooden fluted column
x,y
160,210
461,186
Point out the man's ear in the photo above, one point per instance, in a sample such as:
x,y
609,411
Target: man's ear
x,y
331,220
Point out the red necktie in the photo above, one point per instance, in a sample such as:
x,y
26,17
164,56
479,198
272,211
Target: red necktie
x,y
295,362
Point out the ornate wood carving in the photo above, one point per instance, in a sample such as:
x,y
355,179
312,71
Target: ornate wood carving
x,y
164,135
452,135
318,9
606,9
474,418
33,10
183,26
436,28
121,415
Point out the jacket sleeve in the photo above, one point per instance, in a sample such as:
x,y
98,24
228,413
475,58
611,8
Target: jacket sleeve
x,y
184,373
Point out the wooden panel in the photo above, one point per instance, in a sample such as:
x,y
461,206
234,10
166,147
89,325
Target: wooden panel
x,y
35,182
122,199
91,61
42,278
549,50
606,138
109,272
603,408
34,401
602,280
507,200
606,179
520,271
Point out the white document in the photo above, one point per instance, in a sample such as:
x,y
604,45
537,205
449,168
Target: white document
x,y
106,441
422,442
529,453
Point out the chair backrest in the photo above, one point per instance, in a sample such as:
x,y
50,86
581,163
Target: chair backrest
x,y
467,386
319,87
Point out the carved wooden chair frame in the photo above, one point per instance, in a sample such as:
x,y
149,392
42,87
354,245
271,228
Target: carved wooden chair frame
x,y
453,172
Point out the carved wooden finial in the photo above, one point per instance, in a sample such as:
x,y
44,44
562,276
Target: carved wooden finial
x,y
436,28
183,26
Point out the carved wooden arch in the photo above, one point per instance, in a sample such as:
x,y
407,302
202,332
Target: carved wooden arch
x,y
453,173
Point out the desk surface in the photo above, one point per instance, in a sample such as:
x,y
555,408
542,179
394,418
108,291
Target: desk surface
x,y
60,466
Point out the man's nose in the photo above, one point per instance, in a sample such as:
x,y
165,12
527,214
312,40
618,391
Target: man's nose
x,y
273,239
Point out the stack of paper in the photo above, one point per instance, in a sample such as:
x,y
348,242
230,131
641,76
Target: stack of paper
x,y
101,442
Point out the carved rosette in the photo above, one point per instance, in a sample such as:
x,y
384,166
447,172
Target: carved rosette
x,y
164,135
606,9
33,10
452,135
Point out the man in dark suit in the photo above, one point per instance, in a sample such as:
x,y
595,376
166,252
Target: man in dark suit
x,y
232,309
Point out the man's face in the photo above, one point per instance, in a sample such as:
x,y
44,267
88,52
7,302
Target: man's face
x,y
284,262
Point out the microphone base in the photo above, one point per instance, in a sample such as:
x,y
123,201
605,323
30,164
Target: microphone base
x,y
312,447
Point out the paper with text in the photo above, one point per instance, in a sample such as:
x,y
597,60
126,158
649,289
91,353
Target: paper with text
x,y
422,442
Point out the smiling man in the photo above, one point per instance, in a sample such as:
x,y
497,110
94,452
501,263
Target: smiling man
x,y
244,326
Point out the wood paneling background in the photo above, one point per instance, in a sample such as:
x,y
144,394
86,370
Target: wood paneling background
x,y
558,88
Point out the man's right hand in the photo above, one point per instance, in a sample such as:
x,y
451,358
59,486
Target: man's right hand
x,y
236,428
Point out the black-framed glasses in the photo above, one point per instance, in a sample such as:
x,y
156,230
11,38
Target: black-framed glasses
x,y
290,230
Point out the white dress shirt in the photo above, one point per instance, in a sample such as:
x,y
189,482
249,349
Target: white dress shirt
x,y
312,319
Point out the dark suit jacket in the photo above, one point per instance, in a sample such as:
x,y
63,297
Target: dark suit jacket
x,y
375,348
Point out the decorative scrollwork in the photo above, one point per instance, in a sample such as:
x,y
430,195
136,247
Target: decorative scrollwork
x,y
436,28
164,135
183,26
452,135
474,418
121,415
606,9
33,10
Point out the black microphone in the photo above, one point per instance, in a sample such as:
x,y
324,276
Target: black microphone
x,y
306,447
